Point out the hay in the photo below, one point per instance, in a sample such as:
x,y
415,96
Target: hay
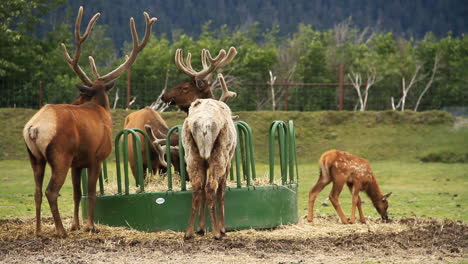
x,y
410,240
159,183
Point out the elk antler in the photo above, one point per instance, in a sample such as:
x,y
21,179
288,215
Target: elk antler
x,y
226,93
137,47
73,63
220,61
161,152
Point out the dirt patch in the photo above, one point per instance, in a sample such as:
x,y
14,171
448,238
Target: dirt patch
x,y
410,240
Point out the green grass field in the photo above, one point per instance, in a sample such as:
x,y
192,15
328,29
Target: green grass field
x,y
393,142
419,189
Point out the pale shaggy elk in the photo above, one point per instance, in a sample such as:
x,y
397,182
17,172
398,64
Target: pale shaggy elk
x,y
209,138
199,86
77,135
154,125
342,168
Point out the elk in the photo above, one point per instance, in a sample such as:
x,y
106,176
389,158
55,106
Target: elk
x,y
199,87
151,121
77,135
209,138
342,168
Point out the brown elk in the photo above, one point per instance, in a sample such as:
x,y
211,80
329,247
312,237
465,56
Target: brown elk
x,y
199,87
151,121
77,135
342,168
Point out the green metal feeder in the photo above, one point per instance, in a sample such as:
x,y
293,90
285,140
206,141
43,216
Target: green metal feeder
x,y
246,206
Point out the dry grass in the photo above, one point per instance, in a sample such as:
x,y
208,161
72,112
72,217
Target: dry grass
x,y
412,240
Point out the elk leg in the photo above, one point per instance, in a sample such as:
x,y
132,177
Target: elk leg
x,y
202,217
220,201
38,166
313,193
334,199
356,200
93,175
59,173
199,175
210,193
197,190
361,214
76,177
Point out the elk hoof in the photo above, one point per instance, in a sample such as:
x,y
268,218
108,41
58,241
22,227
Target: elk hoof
x,y
188,236
201,232
217,237
61,234
91,229
75,227
223,232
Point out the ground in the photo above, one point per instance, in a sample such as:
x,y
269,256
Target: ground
x,y
407,240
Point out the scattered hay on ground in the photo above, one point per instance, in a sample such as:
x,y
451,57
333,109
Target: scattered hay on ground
x,y
412,240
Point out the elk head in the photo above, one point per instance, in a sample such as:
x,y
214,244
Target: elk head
x,y
158,146
382,206
199,87
96,91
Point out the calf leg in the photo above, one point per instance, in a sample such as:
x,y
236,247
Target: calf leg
x,y
334,198
313,193
361,215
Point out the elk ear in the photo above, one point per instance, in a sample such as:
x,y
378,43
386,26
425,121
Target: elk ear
x,y
385,197
109,85
85,90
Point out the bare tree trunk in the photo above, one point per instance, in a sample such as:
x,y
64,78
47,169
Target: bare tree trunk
x,y
272,87
428,85
405,89
116,98
356,80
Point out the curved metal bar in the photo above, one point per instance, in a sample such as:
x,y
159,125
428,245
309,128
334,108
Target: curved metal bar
x,y
292,153
138,160
238,159
282,147
147,145
250,147
117,160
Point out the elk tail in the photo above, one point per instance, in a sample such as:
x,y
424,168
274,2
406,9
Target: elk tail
x,y
324,169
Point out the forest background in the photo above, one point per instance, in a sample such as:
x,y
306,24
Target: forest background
x,y
412,49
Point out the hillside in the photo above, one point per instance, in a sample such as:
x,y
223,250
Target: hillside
x,y
408,18
375,135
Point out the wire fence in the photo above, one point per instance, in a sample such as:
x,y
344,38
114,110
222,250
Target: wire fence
x,y
251,97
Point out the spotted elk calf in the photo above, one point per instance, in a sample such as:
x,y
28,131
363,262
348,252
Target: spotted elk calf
x,y
342,168
77,135
199,87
